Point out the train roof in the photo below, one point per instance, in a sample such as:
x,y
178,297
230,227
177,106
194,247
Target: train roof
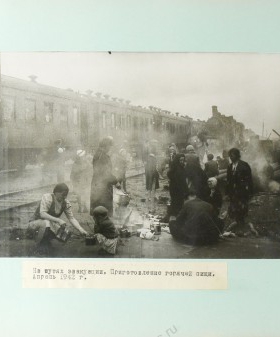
x,y
33,86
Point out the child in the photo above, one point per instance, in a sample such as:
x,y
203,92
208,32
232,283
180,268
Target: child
x,y
105,231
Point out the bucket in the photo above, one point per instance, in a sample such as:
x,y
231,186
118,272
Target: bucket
x,y
121,198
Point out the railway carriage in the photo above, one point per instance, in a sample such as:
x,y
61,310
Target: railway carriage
x,y
33,116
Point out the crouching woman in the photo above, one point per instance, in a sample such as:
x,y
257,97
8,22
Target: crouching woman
x,y
46,223
105,231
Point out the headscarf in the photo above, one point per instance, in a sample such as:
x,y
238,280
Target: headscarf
x,y
176,162
81,153
190,149
213,180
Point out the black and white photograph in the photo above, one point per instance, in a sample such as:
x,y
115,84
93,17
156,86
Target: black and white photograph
x,y
140,155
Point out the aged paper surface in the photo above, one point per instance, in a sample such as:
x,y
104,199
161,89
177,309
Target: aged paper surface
x,y
195,26
125,275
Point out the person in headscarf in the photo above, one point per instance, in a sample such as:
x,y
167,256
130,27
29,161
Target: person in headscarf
x,y
196,177
177,184
105,231
102,178
196,223
46,223
215,197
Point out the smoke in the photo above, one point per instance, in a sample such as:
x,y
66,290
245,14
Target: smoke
x,y
274,186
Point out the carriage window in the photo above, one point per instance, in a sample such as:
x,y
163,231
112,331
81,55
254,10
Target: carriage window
x,y
8,104
103,119
135,122
129,121
113,124
75,115
146,124
121,122
48,111
30,109
63,114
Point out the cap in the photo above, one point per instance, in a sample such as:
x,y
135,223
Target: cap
x,y
81,153
100,210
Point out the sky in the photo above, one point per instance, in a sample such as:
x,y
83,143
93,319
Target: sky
x,y
246,86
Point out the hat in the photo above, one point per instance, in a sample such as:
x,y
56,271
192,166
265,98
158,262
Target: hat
x,y
100,211
189,148
81,153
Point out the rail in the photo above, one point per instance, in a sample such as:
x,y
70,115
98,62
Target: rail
x,y
29,197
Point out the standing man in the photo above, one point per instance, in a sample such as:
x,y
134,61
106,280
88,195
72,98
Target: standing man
x,y
239,189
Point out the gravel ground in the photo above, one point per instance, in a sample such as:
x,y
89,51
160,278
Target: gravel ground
x,y
264,213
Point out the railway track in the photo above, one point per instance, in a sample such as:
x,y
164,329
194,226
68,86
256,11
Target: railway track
x,y
17,199
28,197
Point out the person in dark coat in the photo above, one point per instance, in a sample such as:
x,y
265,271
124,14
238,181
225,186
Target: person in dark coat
x,y
177,184
196,224
152,176
171,155
197,179
191,156
211,166
239,189
103,179
105,231
215,196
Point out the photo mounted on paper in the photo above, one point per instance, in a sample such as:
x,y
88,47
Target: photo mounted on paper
x,y
140,155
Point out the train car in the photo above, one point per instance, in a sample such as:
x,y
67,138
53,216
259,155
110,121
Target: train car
x,y
33,116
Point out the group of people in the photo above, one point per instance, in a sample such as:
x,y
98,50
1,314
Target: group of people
x,y
47,224
194,214
195,197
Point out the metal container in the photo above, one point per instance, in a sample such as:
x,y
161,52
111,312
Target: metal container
x,y
63,234
157,229
90,241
